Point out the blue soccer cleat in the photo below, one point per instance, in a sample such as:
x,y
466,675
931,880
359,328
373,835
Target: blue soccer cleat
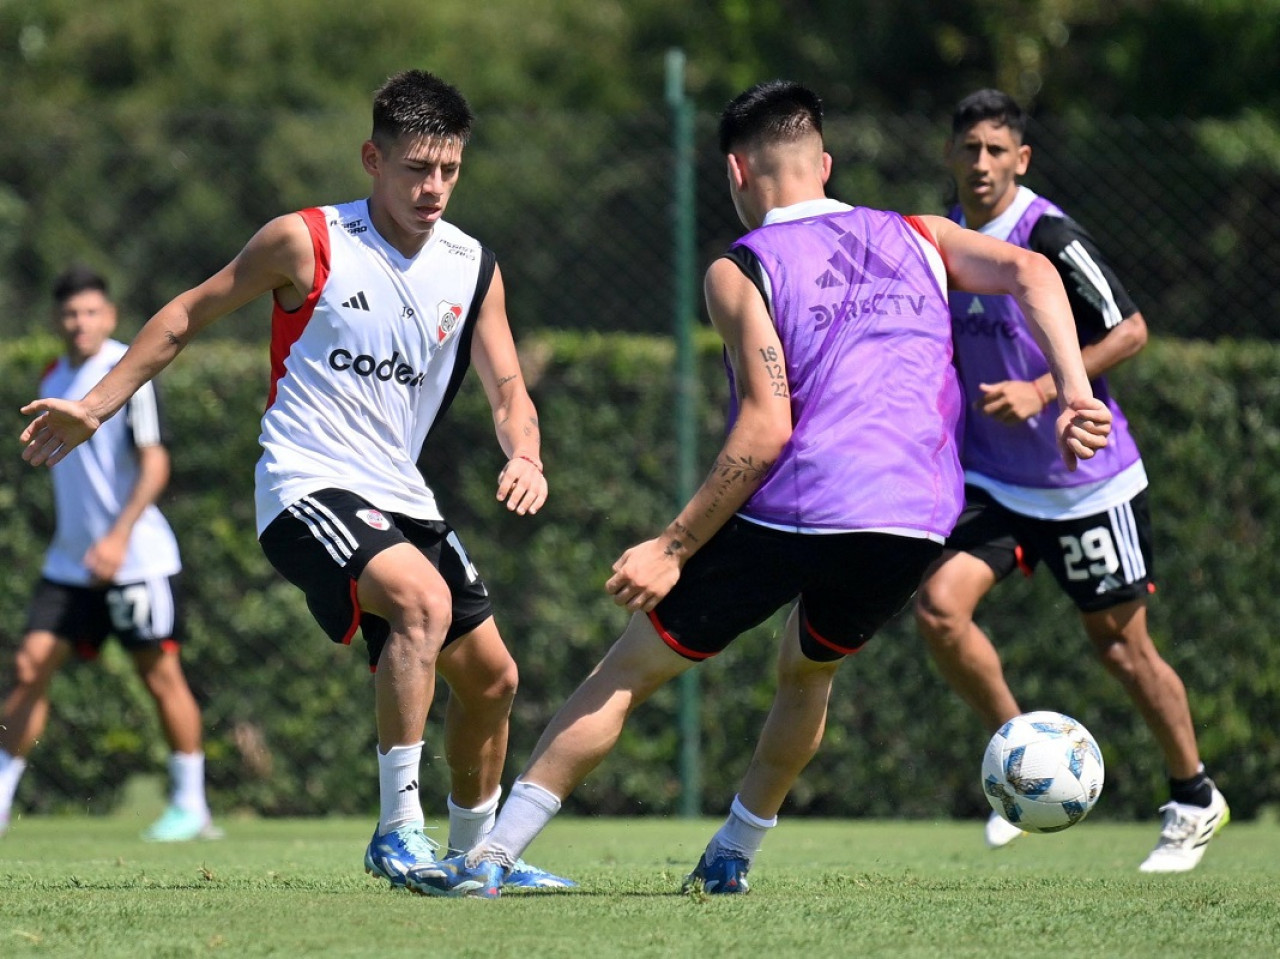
x,y
726,874
453,877
393,856
524,876
181,825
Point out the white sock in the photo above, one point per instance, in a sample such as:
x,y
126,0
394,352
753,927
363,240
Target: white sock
x,y
186,782
525,814
398,789
11,770
742,832
468,826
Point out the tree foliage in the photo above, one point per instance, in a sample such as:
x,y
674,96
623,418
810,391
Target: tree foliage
x,y
153,136
288,715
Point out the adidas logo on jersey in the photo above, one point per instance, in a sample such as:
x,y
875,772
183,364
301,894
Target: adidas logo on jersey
x,y
357,302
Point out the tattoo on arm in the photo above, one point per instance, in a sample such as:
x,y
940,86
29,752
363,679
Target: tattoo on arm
x,y
777,372
684,531
503,381
734,471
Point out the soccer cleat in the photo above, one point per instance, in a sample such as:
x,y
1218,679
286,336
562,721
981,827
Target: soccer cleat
x,y
524,876
394,855
1001,832
1184,834
181,825
726,874
453,877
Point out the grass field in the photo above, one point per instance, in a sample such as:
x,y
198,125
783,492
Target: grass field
x,y
88,887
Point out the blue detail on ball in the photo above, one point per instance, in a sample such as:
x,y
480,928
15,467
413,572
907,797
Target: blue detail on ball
x,y
1029,786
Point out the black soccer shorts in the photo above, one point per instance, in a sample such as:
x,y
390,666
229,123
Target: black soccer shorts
x,y
849,585
141,615
323,542
1100,561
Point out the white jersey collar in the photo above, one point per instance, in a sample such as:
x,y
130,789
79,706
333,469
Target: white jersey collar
x,y
803,209
1003,225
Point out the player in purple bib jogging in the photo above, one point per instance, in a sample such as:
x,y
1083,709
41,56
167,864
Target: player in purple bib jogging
x,y
1090,526
836,485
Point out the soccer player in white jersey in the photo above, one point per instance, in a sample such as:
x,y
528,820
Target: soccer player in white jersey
x,y
378,307
1090,527
111,568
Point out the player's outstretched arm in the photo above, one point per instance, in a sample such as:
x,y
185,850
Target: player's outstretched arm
x,y
983,264
644,574
278,257
521,483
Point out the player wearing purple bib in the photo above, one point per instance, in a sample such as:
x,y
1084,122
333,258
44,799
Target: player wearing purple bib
x,y
1090,526
836,485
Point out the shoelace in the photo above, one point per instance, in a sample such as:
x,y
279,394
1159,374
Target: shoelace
x,y
1177,826
418,843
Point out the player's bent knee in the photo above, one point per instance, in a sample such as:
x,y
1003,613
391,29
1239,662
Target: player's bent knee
x,y
425,616
500,685
942,629
31,671
1118,660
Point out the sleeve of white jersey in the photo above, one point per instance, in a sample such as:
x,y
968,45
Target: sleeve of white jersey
x,y
143,413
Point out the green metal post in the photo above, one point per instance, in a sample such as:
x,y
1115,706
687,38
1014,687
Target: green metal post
x,y
683,270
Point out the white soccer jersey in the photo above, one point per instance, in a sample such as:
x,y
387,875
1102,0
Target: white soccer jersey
x,y
364,368
97,478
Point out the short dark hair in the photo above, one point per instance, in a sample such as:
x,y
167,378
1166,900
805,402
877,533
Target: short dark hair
x,y
989,105
418,103
780,111
77,279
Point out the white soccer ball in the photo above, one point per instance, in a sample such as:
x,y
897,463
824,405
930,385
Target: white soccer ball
x,y
1042,771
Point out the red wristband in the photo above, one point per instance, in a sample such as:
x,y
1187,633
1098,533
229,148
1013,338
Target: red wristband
x,y
1044,400
530,459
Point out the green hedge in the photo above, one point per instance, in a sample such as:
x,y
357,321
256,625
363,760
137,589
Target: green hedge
x,y
289,715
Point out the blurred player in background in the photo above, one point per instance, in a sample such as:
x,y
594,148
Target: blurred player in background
x,y
837,483
1090,526
112,567
379,305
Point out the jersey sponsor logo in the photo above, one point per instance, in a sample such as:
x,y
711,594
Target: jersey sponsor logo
x,y
975,322
879,304
457,249
373,518
362,364
354,227
449,318
357,302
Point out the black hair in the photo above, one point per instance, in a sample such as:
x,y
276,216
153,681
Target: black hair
x,y
418,103
777,110
989,105
77,279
